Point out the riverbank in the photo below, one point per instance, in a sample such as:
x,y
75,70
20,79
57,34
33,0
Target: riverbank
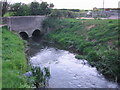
x,y
94,40
14,62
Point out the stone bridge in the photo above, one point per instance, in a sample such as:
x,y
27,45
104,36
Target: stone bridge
x,y
26,26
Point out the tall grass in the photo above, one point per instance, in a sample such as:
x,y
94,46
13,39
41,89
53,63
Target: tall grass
x,y
94,40
0,58
13,61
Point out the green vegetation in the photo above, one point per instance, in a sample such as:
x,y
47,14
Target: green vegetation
x,y
13,61
36,8
8,14
39,77
0,55
94,40
21,9
14,64
3,7
64,13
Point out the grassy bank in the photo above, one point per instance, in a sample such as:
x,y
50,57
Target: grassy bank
x,y
94,40
13,61
0,58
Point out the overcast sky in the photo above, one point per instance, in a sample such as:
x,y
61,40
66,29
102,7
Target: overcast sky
x,y
76,4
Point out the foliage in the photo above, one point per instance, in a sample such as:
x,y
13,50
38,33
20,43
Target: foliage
x,y
96,40
8,14
0,58
51,5
34,8
63,13
44,8
93,56
4,5
80,57
39,77
19,9
13,61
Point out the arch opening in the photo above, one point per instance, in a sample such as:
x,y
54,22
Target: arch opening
x,y
24,35
36,35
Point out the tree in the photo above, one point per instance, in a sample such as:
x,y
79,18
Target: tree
x,y
40,9
56,13
20,9
51,5
34,8
44,8
63,13
4,7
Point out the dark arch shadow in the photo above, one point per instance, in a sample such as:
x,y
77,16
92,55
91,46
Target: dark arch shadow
x,y
24,35
36,35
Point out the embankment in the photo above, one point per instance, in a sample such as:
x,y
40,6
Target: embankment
x,y
14,63
94,40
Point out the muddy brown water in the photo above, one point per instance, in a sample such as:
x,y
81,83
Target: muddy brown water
x,y
66,71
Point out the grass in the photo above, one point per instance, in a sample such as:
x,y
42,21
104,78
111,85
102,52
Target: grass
x,y
0,58
14,63
94,40
8,14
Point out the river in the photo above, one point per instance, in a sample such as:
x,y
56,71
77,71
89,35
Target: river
x,y
65,70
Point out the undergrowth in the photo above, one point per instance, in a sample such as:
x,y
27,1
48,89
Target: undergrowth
x,y
94,40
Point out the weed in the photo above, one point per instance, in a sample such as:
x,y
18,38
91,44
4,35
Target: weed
x,y
39,77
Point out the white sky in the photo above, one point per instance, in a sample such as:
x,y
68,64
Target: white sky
x,y
76,4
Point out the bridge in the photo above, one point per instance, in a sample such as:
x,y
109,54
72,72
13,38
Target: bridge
x,y
26,26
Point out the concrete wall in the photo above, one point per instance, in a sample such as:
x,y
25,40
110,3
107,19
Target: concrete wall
x,y
4,20
26,24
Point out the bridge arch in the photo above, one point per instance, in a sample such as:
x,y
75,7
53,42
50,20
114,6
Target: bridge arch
x,y
27,24
36,33
24,35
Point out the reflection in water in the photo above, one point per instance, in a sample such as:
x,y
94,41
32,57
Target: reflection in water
x,y
66,71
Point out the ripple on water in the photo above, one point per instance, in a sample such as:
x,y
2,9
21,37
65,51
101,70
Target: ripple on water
x,y
68,72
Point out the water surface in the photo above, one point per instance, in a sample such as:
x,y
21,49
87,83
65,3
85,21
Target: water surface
x,y
67,71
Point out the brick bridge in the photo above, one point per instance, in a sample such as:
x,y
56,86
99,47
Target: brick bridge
x,y
26,26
